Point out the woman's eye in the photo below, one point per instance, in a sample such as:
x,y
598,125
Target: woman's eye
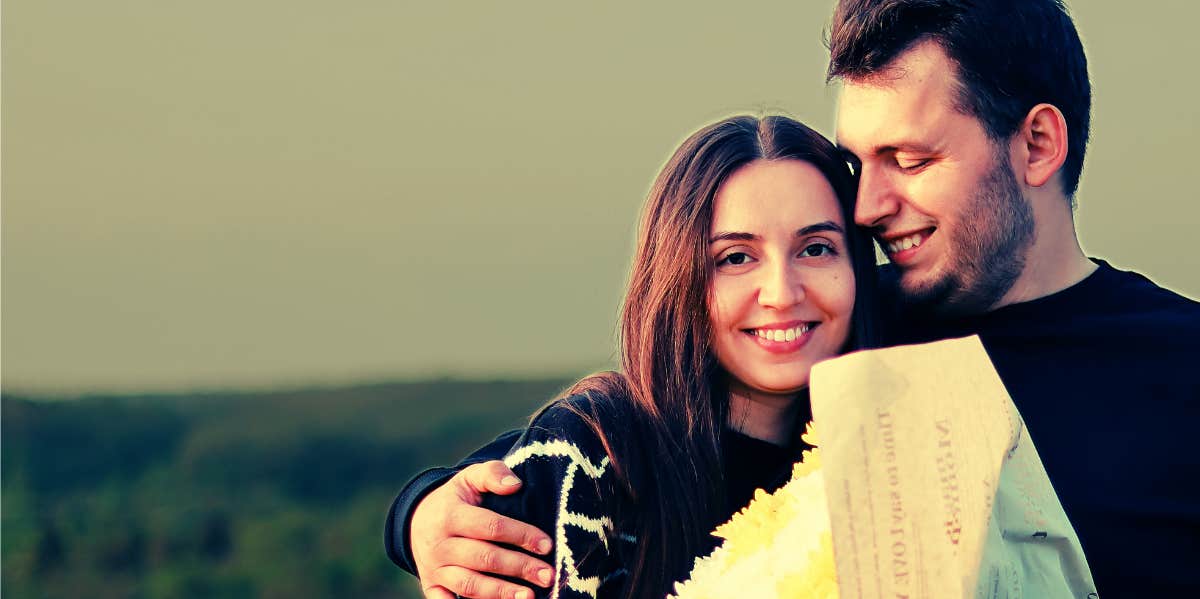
x,y
735,259
818,249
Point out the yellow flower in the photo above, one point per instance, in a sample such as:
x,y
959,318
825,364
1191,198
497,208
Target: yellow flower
x,y
778,546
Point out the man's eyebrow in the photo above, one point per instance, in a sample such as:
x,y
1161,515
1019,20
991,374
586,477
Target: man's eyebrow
x,y
827,226
896,146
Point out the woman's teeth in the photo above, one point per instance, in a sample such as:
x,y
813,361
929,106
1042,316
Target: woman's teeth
x,y
781,335
905,243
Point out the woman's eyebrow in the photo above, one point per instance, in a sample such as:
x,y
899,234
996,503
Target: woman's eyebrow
x,y
732,236
827,226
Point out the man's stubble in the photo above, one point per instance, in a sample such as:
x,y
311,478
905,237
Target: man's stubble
x,y
988,248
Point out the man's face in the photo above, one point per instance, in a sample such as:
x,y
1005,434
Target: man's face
x,y
938,193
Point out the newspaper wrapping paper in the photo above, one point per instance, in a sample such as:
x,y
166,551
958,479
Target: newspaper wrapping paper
x,y
934,486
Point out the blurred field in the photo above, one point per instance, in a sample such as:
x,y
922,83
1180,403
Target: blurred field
x,y
279,494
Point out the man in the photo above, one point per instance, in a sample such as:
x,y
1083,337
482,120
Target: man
x,y
967,122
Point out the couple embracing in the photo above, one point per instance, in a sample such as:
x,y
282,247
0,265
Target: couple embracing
x,y
962,127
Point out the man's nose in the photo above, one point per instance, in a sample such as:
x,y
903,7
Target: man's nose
x,y
877,199
782,286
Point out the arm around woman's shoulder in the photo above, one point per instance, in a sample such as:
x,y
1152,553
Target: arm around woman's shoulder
x,y
399,519
569,490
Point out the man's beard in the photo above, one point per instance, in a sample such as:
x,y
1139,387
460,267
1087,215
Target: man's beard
x,y
987,249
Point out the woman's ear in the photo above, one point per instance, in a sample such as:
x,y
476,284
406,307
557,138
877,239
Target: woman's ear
x,y
1043,144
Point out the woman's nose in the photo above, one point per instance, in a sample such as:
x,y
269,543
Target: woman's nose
x,y
781,287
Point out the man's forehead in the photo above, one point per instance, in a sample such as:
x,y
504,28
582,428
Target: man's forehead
x,y
868,115
901,97
873,117
921,60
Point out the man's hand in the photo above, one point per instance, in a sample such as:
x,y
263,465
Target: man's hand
x,y
453,540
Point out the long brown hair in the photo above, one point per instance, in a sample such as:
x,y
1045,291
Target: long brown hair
x,y
667,457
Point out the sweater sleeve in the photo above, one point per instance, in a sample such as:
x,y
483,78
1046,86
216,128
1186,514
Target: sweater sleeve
x,y
399,518
569,491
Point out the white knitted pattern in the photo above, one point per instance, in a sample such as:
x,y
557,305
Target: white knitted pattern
x,y
600,526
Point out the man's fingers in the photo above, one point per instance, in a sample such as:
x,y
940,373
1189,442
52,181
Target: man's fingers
x,y
437,592
469,583
485,525
490,477
488,558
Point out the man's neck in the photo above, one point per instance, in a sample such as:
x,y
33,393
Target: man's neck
x,y
1055,261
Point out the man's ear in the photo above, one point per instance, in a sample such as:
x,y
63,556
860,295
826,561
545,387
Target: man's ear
x,y
1044,137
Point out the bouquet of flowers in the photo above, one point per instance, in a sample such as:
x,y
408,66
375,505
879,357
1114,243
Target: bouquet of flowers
x,y
926,462
780,545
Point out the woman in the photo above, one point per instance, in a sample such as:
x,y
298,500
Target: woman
x,y
748,270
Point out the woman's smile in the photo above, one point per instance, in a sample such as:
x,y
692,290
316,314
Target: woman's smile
x,y
782,338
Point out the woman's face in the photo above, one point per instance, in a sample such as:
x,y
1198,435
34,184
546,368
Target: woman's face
x,y
782,289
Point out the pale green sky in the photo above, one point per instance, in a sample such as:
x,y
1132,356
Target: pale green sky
x,y
227,193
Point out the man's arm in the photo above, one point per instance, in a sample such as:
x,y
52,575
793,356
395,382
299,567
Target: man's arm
x,y
399,518
434,526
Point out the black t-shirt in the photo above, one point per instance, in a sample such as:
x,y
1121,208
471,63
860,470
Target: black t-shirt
x,y
1105,375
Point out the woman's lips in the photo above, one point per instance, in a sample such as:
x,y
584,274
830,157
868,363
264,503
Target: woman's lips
x,y
779,339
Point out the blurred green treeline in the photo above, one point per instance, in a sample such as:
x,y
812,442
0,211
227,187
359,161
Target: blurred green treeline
x,y
275,494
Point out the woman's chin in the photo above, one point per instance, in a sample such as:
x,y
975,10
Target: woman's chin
x,y
779,387
769,379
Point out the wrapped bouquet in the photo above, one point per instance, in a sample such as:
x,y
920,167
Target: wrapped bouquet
x,y
927,485
780,545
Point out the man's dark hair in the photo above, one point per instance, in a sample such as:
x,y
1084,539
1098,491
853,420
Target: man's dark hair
x,y
1011,55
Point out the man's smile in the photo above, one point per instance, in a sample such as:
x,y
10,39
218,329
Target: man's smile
x,y
902,248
